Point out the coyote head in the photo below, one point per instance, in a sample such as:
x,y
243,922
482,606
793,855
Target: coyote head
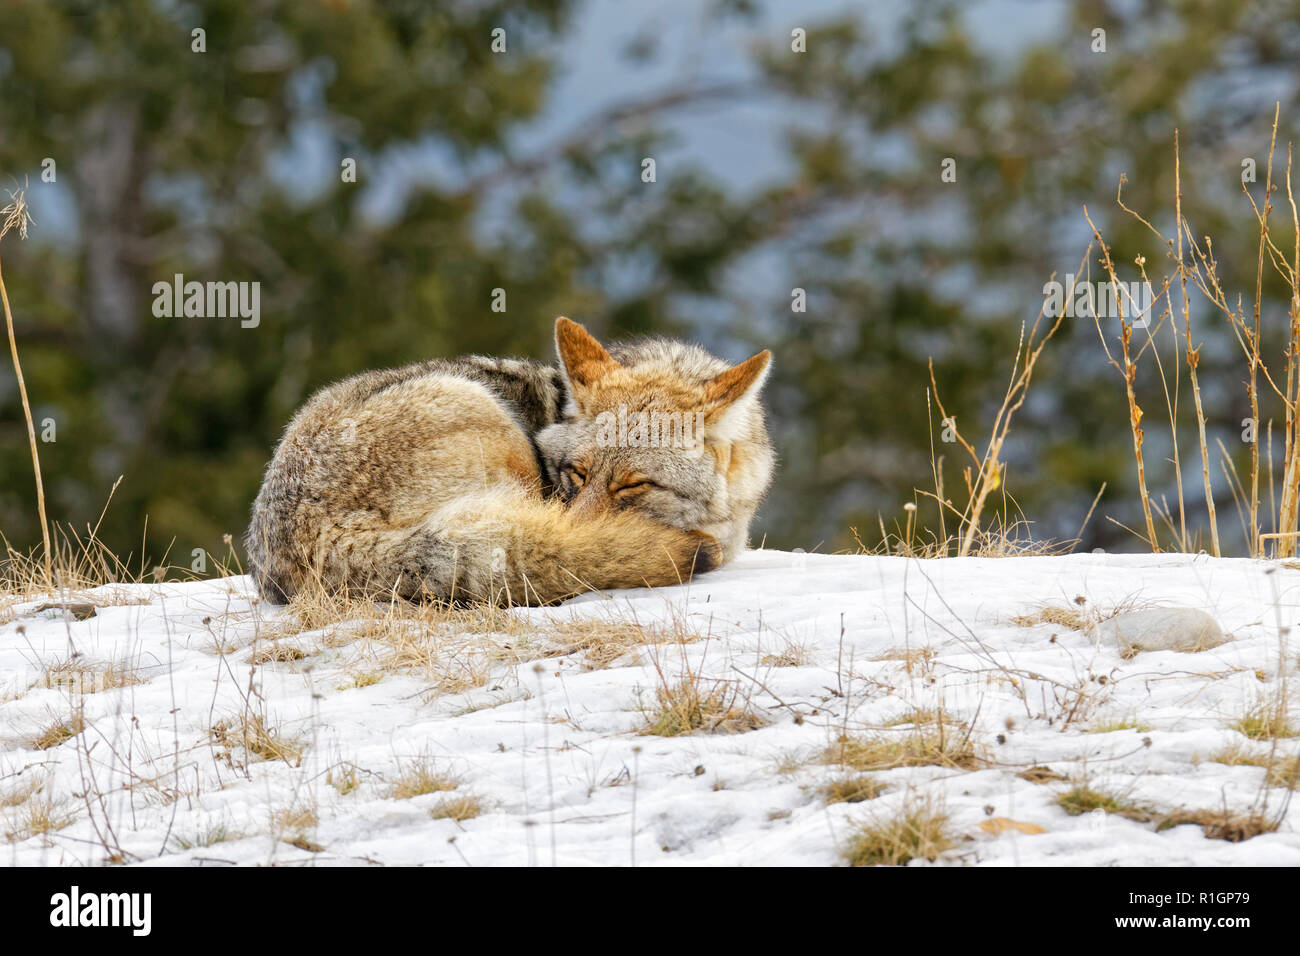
x,y
661,427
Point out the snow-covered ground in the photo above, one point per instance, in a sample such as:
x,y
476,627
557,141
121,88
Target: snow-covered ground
x,y
550,744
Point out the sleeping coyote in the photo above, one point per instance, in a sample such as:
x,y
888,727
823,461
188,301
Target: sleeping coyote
x,y
512,482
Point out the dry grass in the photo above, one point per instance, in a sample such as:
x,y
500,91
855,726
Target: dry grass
x,y
916,660
1280,771
1000,540
1074,618
20,794
922,715
793,654
1077,615
81,563
461,808
452,647
1085,799
418,777
251,734
1221,824
1283,772
208,836
791,761
296,818
1238,754
1272,384
293,824
1267,719
318,608
851,789
603,642
59,732
276,653
18,218
688,706
923,746
80,677
1040,775
917,832
1114,726
39,815
345,779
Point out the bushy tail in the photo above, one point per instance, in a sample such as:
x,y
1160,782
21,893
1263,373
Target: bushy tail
x,y
503,546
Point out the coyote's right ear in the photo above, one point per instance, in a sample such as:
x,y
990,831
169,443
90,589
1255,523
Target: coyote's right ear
x,y
585,360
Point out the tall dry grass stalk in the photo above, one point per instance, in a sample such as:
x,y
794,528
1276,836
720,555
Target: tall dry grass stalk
x,y
1193,354
17,218
989,473
1194,262
1129,371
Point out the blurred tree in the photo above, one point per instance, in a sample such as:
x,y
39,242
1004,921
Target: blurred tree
x,y
225,165
900,265
180,161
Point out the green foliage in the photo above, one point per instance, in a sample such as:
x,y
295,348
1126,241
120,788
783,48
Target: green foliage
x,y
224,165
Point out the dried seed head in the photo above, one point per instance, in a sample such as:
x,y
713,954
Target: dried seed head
x,y
16,215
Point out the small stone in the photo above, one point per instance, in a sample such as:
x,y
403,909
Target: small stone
x,y
1184,629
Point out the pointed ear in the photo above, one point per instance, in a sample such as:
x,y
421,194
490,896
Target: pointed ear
x,y
585,360
735,383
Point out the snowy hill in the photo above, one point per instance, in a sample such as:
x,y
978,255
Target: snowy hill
x,y
225,733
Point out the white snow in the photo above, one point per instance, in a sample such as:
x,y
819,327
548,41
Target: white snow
x,y
564,773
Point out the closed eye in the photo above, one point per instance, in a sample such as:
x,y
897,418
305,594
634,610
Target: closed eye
x,y
578,478
635,487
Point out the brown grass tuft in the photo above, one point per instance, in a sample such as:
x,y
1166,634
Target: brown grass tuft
x,y
460,808
917,832
1267,719
276,653
922,715
1074,618
59,732
419,777
1114,726
209,836
602,642
922,747
20,794
85,678
37,816
687,707
296,818
1040,774
1221,824
792,655
1084,799
851,790
252,734
345,778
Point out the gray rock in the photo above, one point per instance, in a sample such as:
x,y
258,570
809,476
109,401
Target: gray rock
x,y
1184,629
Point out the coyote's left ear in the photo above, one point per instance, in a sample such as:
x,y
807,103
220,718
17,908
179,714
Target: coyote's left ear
x,y
585,360
729,387
729,391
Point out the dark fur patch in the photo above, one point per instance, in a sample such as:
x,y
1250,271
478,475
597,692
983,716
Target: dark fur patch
x,y
708,553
